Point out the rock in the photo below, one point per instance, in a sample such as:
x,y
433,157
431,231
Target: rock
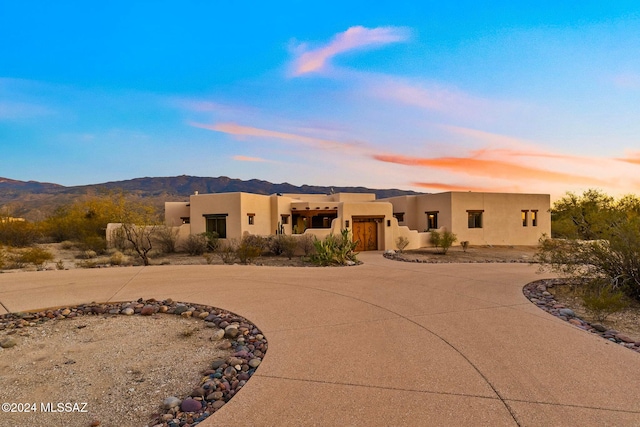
x,y
181,309
217,363
147,310
163,309
191,405
575,322
254,363
203,315
8,343
186,313
566,312
170,402
350,263
231,332
217,335
198,392
218,404
598,327
95,423
128,311
230,371
625,338
216,395
65,312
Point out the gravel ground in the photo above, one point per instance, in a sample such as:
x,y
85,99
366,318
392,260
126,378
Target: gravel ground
x,y
114,369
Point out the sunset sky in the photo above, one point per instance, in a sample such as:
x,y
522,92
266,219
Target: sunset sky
x,y
424,95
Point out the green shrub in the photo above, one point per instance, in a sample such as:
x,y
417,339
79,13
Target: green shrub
x,y
335,250
601,299
443,240
117,258
36,256
18,233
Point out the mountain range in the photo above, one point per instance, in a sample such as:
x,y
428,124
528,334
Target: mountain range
x,y
35,200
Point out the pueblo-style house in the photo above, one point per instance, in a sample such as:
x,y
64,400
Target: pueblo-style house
x,y
479,218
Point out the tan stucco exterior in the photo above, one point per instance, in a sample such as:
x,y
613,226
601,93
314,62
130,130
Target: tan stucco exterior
x,y
500,222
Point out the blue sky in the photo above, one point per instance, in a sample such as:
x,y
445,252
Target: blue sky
x,y
429,96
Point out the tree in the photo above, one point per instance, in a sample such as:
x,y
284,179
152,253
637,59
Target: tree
x,y
601,241
139,224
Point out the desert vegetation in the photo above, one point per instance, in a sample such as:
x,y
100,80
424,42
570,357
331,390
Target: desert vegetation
x,y
595,244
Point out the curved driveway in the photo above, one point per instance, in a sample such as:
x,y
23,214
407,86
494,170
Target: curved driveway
x,y
384,343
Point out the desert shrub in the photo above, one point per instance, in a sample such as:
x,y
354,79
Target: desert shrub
x,y
67,245
19,233
250,247
3,258
283,244
465,245
97,244
443,240
36,256
306,244
601,300
401,243
116,258
434,239
227,251
195,245
335,250
167,237
447,240
60,265
213,240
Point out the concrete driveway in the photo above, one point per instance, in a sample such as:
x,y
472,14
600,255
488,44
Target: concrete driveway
x,y
384,343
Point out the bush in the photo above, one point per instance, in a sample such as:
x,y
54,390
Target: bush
x,y
250,247
282,244
117,258
227,251
36,256
97,244
601,300
18,233
401,243
167,238
196,244
443,240
335,250
306,244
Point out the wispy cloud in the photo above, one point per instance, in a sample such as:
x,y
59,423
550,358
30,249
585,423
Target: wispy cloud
x,y
248,131
491,168
21,110
240,158
631,157
354,38
439,186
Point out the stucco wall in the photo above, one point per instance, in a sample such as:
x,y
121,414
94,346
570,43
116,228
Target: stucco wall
x,y
501,218
174,212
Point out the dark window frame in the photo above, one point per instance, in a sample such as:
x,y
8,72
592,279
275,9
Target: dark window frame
x,y
216,223
475,218
432,225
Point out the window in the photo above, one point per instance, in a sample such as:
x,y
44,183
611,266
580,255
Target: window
x,y
534,218
399,216
524,218
251,217
432,220
284,219
475,219
217,223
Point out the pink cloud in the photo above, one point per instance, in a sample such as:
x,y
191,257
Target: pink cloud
x,y
239,130
240,158
354,38
492,168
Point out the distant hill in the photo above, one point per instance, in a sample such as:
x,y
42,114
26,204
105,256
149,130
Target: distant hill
x,y
35,200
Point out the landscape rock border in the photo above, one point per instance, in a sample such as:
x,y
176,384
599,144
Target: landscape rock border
x,y
537,293
218,385
400,256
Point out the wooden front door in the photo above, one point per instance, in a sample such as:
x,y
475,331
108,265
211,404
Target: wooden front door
x,y
366,234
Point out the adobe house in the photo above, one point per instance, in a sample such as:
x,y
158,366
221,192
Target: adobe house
x,y
480,218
